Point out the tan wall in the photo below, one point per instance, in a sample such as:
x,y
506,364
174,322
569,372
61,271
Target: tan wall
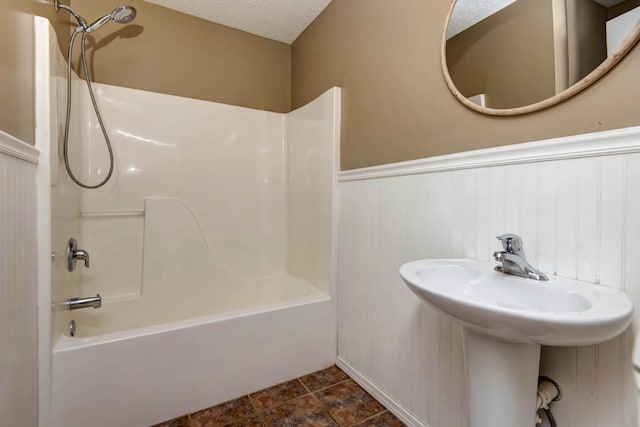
x,y
170,52
61,20
498,53
17,64
396,105
17,69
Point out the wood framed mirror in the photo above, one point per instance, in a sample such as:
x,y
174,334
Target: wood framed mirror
x,y
510,57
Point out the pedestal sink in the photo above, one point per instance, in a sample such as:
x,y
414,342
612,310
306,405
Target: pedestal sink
x,y
505,320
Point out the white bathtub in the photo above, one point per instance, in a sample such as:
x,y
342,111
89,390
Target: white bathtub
x,y
147,375
212,247
196,333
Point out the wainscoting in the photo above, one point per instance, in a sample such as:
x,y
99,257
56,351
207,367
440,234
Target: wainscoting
x,y
575,202
18,291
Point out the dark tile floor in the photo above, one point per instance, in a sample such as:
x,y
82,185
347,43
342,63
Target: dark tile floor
x,y
324,398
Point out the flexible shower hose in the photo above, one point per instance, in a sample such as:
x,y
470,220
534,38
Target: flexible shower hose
x,y
552,421
65,144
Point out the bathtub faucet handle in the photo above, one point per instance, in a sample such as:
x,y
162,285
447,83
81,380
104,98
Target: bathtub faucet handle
x,y
74,254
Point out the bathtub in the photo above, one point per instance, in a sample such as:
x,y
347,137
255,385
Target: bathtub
x,y
212,289
213,248
194,333
151,374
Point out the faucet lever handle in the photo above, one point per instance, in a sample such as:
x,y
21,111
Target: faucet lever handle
x,y
74,254
511,243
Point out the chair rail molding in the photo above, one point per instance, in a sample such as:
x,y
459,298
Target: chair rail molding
x,y
12,146
618,141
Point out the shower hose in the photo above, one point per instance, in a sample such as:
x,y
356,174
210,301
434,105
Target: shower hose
x,y
65,144
549,415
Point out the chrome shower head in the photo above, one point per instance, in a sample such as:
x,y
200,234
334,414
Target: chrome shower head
x,y
119,15
123,14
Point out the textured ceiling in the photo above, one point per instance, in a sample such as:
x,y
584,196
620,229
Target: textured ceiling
x,y
467,12
281,20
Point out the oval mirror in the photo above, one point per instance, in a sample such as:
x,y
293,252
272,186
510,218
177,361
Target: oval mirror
x,y
508,57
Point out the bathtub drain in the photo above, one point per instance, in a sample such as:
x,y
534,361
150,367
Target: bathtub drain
x,y
72,328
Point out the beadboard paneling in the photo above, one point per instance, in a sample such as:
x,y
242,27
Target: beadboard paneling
x,y
578,219
18,293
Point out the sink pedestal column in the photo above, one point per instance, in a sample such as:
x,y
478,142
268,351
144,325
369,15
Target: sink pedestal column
x,y
503,381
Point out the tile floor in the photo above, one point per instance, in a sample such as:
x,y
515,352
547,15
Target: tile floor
x,y
324,398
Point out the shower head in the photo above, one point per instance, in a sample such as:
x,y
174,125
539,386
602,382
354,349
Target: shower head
x,y
119,15
123,14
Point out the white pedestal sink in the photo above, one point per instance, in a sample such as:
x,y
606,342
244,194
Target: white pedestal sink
x,y
505,321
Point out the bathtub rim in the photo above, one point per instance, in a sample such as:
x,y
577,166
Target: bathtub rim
x,y
64,342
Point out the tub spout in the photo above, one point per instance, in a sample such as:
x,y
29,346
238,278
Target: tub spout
x,y
76,303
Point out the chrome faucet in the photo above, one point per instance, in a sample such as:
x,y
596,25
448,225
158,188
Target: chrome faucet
x,y
513,259
76,303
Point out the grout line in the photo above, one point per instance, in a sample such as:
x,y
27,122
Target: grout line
x,y
303,385
329,386
392,406
308,392
379,414
325,409
253,405
284,402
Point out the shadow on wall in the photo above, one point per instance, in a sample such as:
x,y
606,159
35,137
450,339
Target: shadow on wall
x,y
94,45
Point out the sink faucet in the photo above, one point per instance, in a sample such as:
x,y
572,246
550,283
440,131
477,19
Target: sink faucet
x,y
513,259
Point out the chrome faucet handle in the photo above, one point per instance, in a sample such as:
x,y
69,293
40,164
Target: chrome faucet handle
x,y
511,243
74,254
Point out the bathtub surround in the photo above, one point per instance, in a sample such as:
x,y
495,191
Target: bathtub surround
x,y
573,201
191,250
207,190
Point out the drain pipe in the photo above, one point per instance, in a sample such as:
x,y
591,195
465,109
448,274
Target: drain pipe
x,y
548,391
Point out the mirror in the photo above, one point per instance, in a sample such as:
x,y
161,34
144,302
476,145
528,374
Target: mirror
x,y
508,57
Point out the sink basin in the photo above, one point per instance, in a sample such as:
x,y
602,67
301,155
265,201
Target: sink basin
x,y
505,320
555,312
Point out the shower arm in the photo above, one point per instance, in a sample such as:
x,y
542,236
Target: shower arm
x,y
81,21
